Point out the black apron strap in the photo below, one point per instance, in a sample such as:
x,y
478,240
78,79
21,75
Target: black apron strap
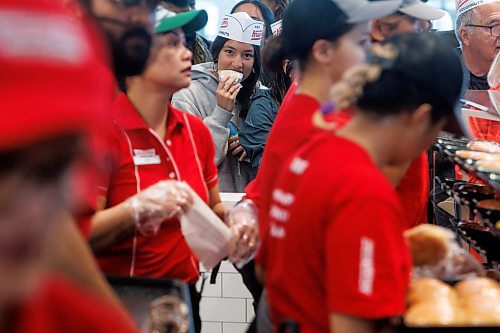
x,y
215,271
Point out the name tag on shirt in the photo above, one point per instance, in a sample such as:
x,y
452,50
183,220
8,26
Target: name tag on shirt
x,y
146,157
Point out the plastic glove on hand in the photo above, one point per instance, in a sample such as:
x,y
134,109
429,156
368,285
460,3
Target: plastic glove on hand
x,y
242,220
157,203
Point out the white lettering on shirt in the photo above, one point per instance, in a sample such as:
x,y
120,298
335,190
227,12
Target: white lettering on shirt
x,y
278,213
366,266
282,197
299,166
277,231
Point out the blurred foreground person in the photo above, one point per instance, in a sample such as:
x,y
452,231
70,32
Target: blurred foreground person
x,y
42,138
126,27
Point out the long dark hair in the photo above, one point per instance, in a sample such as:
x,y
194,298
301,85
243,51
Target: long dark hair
x,y
267,14
280,8
250,83
279,79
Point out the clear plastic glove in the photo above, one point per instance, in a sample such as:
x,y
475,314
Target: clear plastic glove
x,y
157,203
494,74
242,221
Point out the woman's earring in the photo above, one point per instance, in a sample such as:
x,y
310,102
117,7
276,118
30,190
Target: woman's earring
x,y
215,67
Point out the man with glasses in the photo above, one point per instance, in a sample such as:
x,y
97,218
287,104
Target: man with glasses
x,y
128,25
412,16
478,30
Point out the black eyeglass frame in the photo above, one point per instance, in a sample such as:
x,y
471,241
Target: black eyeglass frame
x,y
488,27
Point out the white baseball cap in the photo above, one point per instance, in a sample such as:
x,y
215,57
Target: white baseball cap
x,y
358,11
420,10
242,28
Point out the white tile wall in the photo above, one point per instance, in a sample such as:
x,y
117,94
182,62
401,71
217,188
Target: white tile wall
x,y
233,328
226,307
211,327
210,290
250,310
231,286
223,309
227,267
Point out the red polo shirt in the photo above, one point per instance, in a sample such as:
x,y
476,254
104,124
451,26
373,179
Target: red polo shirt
x,y
340,250
59,306
141,159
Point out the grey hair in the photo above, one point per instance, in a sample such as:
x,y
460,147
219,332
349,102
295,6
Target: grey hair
x,y
462,21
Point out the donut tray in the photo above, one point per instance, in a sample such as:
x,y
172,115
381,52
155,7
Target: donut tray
x,y
138,293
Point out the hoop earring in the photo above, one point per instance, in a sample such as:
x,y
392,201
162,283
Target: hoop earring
x,y
215,67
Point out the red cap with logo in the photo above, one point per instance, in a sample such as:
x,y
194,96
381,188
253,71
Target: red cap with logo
x,y
52,80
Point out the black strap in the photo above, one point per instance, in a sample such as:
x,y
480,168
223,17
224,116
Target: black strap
x,y
289,326
215,271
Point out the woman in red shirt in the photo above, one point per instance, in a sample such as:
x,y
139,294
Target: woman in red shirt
x,y
155,148
339,260
326,38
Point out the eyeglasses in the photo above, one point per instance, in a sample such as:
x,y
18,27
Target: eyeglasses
x,y
394,21
150,4
494,29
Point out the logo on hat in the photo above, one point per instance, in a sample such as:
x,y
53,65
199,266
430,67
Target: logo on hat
x,y
242,28
257,35
466,5
225,23
277,27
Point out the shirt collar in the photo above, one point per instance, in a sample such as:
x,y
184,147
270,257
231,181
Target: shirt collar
x,y
128,117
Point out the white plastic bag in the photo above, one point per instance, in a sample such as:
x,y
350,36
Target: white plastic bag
x,y
207,236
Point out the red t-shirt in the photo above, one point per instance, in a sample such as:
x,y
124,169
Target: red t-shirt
x,y
340,250
141,160
292,127
59,306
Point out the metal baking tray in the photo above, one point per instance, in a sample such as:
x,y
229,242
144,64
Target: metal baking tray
x,y
138,293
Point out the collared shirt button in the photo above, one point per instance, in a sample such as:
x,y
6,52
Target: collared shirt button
x,y
169,143
172,175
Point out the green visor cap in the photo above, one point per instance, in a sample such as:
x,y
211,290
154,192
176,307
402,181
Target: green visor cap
x,y
190,21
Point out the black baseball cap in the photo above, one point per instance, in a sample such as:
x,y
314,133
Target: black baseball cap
x,y
429,62
306,21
